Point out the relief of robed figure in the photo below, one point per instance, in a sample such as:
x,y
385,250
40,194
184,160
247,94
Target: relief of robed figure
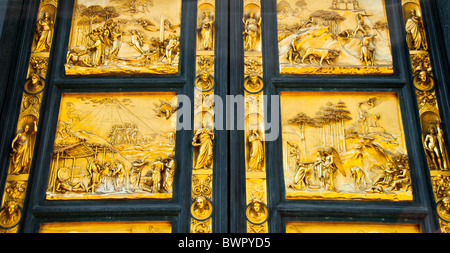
x,y
256,157
43,35
22,148
203,140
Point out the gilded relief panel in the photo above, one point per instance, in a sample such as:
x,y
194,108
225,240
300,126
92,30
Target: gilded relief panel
x,y
333,37
344,145
107,227
350,227
124,37
114,146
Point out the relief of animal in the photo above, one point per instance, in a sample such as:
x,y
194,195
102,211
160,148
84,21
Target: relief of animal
x,y
323,54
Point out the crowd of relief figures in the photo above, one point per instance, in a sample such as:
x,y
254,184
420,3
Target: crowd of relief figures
x,y
333,37
124,37
117,145
344,145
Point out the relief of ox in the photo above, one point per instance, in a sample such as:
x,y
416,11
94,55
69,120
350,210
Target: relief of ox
x,y
323,54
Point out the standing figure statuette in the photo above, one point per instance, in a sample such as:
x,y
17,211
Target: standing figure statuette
x,y
203,139
22,149
43,35
207,31
251,31
415,32
256,159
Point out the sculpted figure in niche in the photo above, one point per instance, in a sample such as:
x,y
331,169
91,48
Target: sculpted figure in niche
x,y
43,36
431,145
207,31
203,139
415,32
251,31
256,159
22,149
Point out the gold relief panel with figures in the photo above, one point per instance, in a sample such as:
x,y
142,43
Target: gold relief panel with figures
x,y
124,37
114,146
333,37
344,145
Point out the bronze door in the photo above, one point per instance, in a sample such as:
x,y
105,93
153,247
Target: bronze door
x,y
112,89
246,116
331,73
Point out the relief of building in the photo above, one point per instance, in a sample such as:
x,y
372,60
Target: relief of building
x,y
107,146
